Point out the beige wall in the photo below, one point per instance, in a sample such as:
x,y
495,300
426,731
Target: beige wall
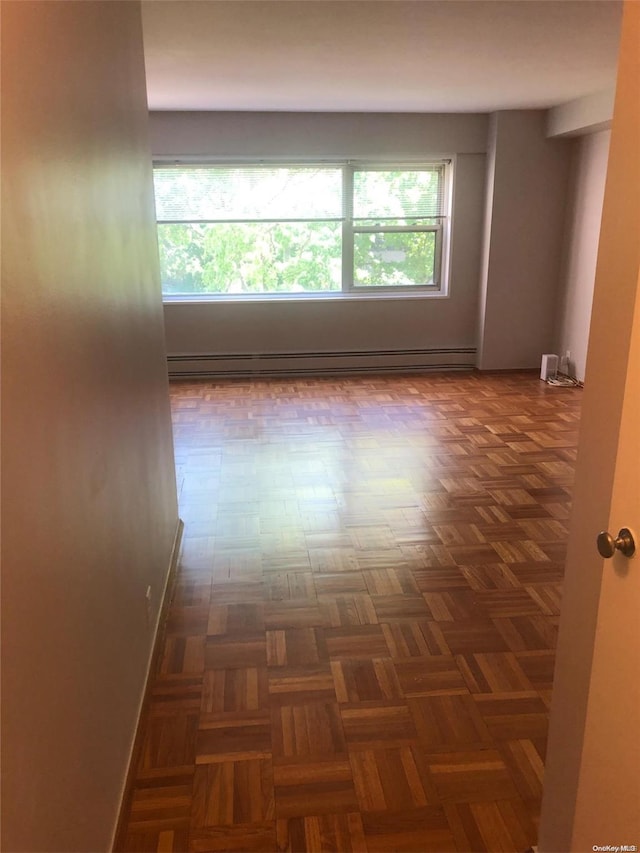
x,y
347,325
357,135
582,232
520,274
89,501
337,325
587,114
506,252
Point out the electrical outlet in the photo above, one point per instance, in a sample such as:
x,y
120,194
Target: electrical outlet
x,y
148,602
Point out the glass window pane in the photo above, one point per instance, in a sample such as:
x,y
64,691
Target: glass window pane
x,y
252,257
196,194
401,194
394,259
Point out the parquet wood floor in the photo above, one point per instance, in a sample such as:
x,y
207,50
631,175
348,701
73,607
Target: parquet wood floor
x,y
359,652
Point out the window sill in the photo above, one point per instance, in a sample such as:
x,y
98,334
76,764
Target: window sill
x,y
201,299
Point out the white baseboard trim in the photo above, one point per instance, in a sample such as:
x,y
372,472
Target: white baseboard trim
x,y
247,365
156,649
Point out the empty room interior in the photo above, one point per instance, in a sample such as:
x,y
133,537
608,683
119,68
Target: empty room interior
x,y
320,362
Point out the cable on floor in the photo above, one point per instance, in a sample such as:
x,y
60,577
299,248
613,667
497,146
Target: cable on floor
x,y
563,381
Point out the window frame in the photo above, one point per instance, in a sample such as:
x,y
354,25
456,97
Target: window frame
x,y
440,286
350,228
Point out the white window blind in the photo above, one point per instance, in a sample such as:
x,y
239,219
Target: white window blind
x,y
387,195
248,193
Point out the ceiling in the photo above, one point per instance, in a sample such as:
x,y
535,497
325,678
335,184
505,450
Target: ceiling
x,y
377,55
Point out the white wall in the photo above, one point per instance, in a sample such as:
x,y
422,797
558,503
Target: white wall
x,y
253,135
583,115
522,252
336,325
89,501
582,231
506,250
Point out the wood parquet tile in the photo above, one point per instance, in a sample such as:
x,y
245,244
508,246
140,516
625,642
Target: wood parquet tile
x,y
340,833
391,779
313,786
378,724
359,651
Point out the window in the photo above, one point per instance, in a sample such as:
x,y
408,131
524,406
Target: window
x,y
301,229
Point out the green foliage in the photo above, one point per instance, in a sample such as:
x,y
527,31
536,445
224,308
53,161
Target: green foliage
x,y
392,259
254,257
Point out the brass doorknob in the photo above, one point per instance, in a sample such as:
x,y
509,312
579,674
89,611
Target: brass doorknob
x,y
624,543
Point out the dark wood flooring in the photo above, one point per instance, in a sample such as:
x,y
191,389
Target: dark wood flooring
x,y
359,652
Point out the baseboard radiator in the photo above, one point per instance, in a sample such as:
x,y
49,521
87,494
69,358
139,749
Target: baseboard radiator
x,y
247,365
